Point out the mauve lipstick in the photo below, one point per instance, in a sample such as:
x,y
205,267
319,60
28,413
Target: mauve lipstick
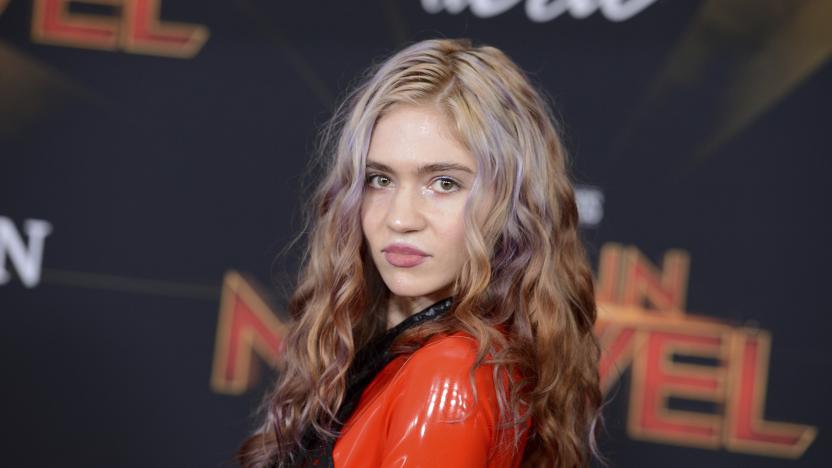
x,y
403,255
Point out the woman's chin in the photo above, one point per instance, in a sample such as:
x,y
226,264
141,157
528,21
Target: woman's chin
x,y
412,289
408,291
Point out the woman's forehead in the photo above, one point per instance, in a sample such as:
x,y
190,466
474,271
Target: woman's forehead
x,y
410,137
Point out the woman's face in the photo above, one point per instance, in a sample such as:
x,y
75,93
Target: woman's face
x,y
418,178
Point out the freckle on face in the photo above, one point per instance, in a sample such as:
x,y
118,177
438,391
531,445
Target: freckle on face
x,y
414,208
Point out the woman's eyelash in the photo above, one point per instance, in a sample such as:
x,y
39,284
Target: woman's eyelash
x,y
371,178
456,185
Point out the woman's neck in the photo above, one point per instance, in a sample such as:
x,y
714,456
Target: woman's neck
x,y
402,307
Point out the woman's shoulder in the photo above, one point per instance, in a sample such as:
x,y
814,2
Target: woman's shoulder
x,y
437,414
448,362
456,349
436,380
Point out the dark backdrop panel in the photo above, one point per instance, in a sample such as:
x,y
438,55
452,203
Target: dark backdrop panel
x,y
703,124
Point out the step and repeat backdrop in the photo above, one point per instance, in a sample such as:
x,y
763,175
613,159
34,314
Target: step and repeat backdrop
x,y
154,155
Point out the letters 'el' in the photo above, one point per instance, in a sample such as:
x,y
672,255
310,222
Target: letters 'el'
x,y
133,26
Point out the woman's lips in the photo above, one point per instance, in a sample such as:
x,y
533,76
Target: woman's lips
x,y
403,255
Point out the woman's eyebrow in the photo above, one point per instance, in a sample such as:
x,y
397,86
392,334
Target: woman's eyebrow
x,y
425,168
378,167
442,167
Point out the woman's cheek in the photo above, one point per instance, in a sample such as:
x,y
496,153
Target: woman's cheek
x,y
451,222
372,210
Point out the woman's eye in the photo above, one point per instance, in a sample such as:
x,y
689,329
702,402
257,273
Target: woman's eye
x,y
378,181
444,184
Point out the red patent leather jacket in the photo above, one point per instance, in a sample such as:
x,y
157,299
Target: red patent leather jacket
x,y
419,411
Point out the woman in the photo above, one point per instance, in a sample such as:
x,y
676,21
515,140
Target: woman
x,y
445,308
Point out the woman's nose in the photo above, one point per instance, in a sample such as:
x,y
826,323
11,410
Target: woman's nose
x,y
405,210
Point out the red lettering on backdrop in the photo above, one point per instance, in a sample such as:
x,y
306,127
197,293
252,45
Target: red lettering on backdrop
x,y
134,26
656,378
617,344
642,323
144,32
53,23
747,430
247,326
664,291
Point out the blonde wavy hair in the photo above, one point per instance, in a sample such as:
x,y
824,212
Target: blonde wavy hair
x,y
525,292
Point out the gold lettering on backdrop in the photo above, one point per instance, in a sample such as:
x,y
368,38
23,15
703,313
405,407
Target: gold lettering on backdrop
x,y
247,327
642,325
